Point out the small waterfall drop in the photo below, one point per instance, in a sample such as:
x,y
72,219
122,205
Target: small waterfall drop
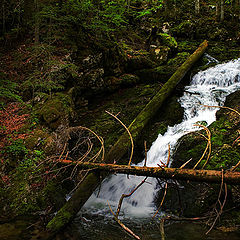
x,y
209,87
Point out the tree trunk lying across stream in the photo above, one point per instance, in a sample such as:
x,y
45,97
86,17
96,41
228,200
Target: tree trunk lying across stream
x,y
210,176
120,148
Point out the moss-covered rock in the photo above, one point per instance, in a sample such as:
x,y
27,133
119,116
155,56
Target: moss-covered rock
x,y
167,40
56,110
139,60
36,139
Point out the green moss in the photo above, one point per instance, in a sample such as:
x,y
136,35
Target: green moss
x,y
187,46
185,29
37,138
167,40
58,222
128,79
179,59
55,110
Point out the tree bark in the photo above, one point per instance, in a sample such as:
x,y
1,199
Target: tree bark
x,y
121,146
210,176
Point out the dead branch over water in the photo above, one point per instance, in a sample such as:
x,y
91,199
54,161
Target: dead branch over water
x,y
211,176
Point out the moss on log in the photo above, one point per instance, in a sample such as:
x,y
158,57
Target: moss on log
x,y
121,146
70,209
210,176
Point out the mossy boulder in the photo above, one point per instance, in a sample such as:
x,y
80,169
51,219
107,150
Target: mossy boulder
x,y
187,46
139,60
56,110
167,40
158,74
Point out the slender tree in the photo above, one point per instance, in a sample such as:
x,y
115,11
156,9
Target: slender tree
x,y
36,29
197,7
222,11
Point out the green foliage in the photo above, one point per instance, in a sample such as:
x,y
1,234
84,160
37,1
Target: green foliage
x,y
8,91
16,149
49,72
150,10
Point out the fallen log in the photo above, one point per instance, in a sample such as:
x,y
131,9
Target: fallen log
x,y
123,143
210,176
120,148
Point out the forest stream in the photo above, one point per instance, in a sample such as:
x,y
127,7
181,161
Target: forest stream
x,y
94,221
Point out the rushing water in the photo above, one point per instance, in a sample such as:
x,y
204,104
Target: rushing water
x,y
209,87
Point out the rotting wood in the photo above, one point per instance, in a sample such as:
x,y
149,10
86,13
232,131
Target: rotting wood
x,y
120,148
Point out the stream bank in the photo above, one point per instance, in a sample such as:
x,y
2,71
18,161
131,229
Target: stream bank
x,y
118,72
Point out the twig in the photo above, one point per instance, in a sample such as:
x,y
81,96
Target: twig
x,y
129,231
162,229
145,150
164,195
221,205
208,147
222,107
168,160
130,159
234,167
186,163
128,195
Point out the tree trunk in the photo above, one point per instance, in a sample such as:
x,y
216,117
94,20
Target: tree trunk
x,y
36,29
210,176
197,7
217,10
222,11
121,147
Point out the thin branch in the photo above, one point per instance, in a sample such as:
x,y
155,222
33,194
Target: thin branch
x,y
186,163
222,107
145,150
130,159
208,147
164,195
128,195
168,160
129,231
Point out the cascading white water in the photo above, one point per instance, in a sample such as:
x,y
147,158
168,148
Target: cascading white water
x,y
209,87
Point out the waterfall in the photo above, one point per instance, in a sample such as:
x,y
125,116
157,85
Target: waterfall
x,y
209,87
